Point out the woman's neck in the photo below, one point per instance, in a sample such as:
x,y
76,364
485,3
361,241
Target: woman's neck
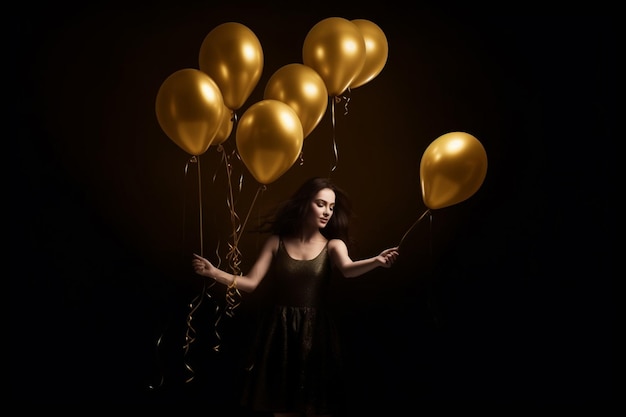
x,y
310,235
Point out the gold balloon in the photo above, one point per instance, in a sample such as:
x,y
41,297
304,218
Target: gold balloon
x,y
269,139
190,108
376,51
231,54
226,127
302,88
335,48
452,169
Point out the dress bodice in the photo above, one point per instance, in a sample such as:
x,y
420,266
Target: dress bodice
x,y
297,282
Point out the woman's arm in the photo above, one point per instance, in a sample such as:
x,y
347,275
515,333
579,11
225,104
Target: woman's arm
x,y
248,282
349,268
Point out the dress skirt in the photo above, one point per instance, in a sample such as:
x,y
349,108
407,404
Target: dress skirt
x,y
295,362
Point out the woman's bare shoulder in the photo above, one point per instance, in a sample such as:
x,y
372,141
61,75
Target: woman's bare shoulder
x,y
334,244
272,242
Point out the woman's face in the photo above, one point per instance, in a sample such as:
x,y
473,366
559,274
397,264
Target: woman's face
x,y
321,208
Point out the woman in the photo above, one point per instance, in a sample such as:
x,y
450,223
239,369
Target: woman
x,y
295,369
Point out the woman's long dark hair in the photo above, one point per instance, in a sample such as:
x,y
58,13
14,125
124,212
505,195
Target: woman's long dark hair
x,y
289,218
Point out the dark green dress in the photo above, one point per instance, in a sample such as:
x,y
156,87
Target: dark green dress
x,y
295,364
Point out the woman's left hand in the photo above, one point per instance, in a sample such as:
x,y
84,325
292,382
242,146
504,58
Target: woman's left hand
x,y
388,257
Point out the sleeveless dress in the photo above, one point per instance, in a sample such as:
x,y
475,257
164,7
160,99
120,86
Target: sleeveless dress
x,y
295,363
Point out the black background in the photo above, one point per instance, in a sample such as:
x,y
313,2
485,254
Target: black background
x,y
505,297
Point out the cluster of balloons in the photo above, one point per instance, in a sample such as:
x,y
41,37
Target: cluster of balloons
x,y
196,108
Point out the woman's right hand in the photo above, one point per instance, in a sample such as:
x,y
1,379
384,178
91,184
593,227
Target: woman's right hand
x,y
201,266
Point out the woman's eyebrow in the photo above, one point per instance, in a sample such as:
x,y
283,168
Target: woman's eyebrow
x,y
321,200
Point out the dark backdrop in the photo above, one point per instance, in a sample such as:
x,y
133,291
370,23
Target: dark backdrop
x,y
505,297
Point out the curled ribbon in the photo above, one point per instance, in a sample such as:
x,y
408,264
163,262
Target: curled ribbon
x,y
337,100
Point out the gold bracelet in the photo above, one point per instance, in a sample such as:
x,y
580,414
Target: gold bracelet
x,y
234,283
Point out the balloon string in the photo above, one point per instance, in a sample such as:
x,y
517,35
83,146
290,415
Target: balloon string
x,y
200,225
332,119
220,148
190,333
412,226
233,255
261,188
189,337
233,299
218,319
193,159
347,99
158,355
233,296
218,316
